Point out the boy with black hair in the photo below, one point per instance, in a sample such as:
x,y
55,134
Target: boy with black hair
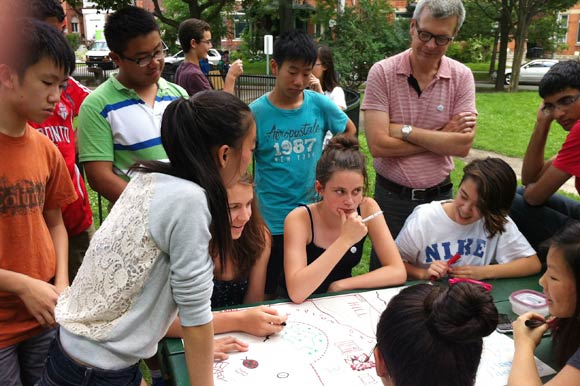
x,y
291,123
195,39
35,63
119,122
537,210
78,216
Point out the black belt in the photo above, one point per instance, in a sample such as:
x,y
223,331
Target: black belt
x,y
415,194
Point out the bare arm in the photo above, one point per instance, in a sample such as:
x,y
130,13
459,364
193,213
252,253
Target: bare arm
x,y
550,180
534,163
350,127
302,279
103,180
517,268
198,344
59,236
259,321
380,141
415,272
236,69
38,296
392,271
455,138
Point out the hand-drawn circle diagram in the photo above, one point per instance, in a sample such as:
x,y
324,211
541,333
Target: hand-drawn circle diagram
x,y
306,338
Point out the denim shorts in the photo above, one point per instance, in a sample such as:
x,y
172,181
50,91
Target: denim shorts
x,y
62,370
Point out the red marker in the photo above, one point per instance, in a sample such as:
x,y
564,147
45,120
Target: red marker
x,y
451,261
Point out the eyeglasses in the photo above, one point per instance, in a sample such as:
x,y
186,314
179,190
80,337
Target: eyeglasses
x,y
425,36
206,42
144,61
561,104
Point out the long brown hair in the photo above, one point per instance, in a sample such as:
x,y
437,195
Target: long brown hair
x,y
248,248
329,77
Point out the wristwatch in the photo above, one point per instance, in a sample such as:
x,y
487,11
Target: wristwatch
x,y
406,130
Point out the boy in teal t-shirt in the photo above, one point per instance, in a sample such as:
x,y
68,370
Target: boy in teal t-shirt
x,y
291,123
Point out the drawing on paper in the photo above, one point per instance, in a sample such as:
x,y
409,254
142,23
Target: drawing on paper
x,y
329,341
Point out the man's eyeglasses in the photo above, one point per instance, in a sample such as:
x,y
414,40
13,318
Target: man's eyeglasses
x,y
206,42
425,36
145,60
561,104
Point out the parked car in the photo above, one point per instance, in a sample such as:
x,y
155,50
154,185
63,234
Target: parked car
x,y
532,72
213,57
98,56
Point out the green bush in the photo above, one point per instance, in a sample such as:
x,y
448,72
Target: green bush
x,y
361,36
74,39
474,50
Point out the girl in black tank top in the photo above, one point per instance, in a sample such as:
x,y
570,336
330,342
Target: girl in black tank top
x,y
323,241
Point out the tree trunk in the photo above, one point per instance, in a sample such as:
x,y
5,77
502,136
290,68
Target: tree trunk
x,y
285,16
520,36
494,52
504,36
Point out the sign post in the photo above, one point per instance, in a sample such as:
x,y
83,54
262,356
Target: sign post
x,y
268,50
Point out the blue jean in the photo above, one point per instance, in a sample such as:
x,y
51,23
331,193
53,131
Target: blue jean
x,y
62,370
22,363
539,223
396,209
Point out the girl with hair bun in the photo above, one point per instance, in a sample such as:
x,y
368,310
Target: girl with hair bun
x,y
475,224
561,284
323,241
425,328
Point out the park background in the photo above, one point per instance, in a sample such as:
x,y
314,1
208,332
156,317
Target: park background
x,y
497,36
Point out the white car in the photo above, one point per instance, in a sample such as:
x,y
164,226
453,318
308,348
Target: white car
x,y
213,57
532,72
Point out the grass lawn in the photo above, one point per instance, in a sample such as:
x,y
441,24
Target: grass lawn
x,y
506,122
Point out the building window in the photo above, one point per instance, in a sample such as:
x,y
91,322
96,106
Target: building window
x,y
74,25
235,25
563,23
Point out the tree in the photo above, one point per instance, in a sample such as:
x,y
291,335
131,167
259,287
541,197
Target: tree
x,y
526,11
208,10
360,36
514,18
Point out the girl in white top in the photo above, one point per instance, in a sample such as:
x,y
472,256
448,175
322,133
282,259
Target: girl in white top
x,y
324,80
475,224
323,241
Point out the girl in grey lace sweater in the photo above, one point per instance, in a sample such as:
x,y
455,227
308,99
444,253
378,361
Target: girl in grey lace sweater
x,y
150,260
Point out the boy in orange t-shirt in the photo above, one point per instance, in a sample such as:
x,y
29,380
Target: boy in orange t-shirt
x,y
35,63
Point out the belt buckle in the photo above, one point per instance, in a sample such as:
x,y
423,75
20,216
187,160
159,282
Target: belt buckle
x,y
414,191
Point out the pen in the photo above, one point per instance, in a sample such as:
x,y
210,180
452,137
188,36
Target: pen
x,y
533,323
372,216
453,260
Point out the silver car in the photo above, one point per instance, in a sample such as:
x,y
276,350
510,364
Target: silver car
x,y
532,72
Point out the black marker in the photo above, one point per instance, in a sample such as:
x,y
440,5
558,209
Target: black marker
x,y
533,323
283,324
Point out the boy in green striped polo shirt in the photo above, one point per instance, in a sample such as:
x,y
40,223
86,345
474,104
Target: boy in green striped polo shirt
x,y
119,123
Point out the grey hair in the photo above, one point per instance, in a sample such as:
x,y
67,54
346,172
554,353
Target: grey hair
x,y
442,9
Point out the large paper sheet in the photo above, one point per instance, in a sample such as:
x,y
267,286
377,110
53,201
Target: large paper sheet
x,y
327,341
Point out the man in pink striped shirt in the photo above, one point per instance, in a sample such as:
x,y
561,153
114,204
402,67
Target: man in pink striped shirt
x,y
419,112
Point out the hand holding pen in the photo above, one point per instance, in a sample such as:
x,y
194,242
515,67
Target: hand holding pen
x,y
439,268
529,329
